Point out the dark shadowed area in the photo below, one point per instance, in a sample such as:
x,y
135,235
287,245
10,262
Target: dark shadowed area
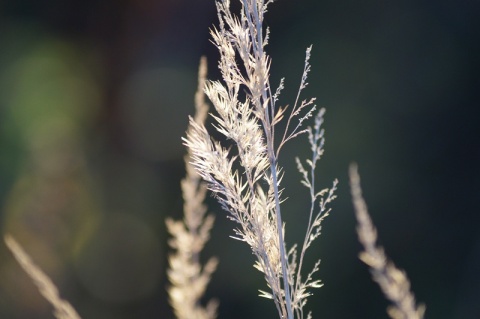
x,y
94,99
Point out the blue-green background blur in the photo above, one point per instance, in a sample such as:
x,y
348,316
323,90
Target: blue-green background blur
x,y
94,98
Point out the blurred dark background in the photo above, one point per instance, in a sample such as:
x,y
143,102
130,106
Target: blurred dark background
x,y
94,98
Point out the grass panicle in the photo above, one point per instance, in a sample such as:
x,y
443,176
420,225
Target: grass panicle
x,y
187,276
393,282
246,177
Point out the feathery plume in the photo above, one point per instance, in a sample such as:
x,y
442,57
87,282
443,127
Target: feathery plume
x,y
393,282
187,277
246,177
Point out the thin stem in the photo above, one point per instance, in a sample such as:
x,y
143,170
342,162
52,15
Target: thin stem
x,y
309,227
270,146
283,258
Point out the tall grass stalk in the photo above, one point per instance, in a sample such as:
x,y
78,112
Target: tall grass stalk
x,y
393,282
246,178
187,276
